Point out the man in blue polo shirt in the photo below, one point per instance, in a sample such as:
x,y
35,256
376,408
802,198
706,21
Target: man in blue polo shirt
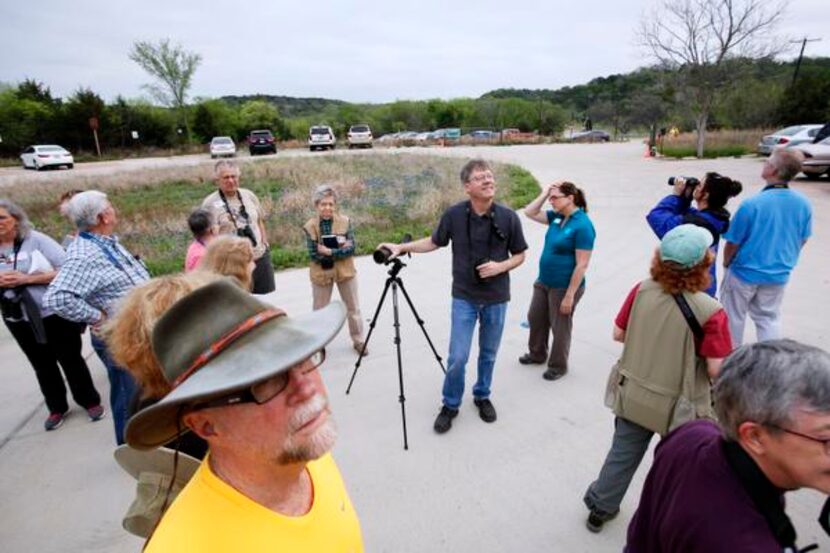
x,y
487,243
762,247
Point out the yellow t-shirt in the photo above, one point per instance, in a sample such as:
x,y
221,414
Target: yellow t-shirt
x,y
210,516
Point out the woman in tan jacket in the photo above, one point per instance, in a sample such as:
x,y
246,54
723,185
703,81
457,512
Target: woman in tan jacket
x,y
331,246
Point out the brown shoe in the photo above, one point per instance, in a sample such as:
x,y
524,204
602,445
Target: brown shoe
x,y
361,347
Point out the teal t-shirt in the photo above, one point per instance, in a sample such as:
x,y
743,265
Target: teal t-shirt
x,y
558,260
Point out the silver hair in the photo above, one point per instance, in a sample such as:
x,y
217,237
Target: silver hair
x,y
24,225
225,164
322,191
787,163
84,208
766,381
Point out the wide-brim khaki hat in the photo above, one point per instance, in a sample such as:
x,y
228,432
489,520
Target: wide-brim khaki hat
x,y
153,471
218,340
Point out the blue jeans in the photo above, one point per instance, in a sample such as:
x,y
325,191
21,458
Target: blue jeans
x,y
491,323
122,388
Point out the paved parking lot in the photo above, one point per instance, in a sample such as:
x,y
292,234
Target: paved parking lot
x,y
513,485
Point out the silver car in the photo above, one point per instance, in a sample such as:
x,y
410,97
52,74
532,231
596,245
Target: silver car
x,y
43,156
788,136
222,146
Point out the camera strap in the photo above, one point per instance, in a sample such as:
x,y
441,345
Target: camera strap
x,y
491,216
776,186
108,249
692,321
242,210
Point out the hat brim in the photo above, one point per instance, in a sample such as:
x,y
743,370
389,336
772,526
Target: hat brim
x,y
160,460
262,353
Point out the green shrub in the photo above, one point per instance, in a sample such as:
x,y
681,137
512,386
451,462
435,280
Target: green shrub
x,y
708,153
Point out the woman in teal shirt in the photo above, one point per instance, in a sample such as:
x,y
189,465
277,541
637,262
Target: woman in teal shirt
x,y
561,282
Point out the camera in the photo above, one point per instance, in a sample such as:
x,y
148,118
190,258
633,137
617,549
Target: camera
x,y
11,305
691,183
247,232
382,255
476,276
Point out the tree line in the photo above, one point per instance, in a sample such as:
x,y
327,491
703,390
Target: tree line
x,y
761,93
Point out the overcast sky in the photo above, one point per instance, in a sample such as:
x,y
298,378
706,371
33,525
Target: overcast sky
x,y
360,51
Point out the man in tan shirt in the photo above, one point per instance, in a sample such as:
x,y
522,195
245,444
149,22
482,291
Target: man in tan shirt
x,y
238,211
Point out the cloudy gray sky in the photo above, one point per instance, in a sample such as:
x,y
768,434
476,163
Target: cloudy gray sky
x,y
360,51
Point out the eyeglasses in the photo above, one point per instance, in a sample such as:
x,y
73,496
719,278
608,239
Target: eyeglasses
x,y
559,197
824,442
265,391
481,177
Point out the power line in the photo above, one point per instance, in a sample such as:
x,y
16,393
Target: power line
x,y
803,42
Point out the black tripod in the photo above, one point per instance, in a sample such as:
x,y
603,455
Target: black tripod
x,y
395,282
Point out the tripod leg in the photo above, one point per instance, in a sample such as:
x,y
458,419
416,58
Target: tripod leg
x,y
420,322
389,282
397,325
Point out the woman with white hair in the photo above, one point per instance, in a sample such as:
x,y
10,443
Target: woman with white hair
x,y
97,273
29,261
331,246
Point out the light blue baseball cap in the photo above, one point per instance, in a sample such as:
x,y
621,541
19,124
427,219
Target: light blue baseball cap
x,y
685,245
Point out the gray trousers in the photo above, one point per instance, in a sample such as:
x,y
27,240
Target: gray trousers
x,y
628,447
544,318
761,301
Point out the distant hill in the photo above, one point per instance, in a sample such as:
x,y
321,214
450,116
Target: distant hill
x,y
622,86
288,106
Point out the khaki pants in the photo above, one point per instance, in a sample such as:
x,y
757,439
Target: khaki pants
x,y
545,319
348,293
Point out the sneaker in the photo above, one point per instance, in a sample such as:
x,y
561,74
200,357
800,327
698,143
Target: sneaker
x,y
554,373
54,421
485,409
526,359
443,421
96,412
597,518
358,347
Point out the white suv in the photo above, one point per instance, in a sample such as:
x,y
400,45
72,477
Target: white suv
x,y
322,137
360,136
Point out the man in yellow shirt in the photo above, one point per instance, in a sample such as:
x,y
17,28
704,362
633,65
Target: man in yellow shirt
x,y
244,378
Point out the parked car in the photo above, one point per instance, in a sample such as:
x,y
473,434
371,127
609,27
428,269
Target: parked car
x,y
43,156
321,137
222,146
788,136
507,133
816,159
359,136
261,142
591,136
483,134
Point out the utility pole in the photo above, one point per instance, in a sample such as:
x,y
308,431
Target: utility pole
x,y
803,42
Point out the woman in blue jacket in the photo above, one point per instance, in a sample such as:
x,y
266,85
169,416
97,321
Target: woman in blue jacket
x,y
710,196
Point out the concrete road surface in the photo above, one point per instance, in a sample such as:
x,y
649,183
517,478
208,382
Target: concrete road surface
x,y
515,485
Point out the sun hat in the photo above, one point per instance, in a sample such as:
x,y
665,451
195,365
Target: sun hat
x,y
218,340
153,471
685,245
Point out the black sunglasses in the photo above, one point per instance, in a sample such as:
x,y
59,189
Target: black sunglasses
x,y
266,390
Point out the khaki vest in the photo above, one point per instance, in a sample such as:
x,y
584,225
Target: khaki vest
x,y
661,382
343,268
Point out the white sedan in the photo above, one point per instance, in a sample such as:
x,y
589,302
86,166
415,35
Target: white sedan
x,y
40,157
222,146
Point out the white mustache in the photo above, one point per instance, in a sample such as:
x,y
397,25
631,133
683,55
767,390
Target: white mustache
x,y
308,411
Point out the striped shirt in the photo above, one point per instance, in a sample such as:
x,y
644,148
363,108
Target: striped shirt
x,y
97,272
